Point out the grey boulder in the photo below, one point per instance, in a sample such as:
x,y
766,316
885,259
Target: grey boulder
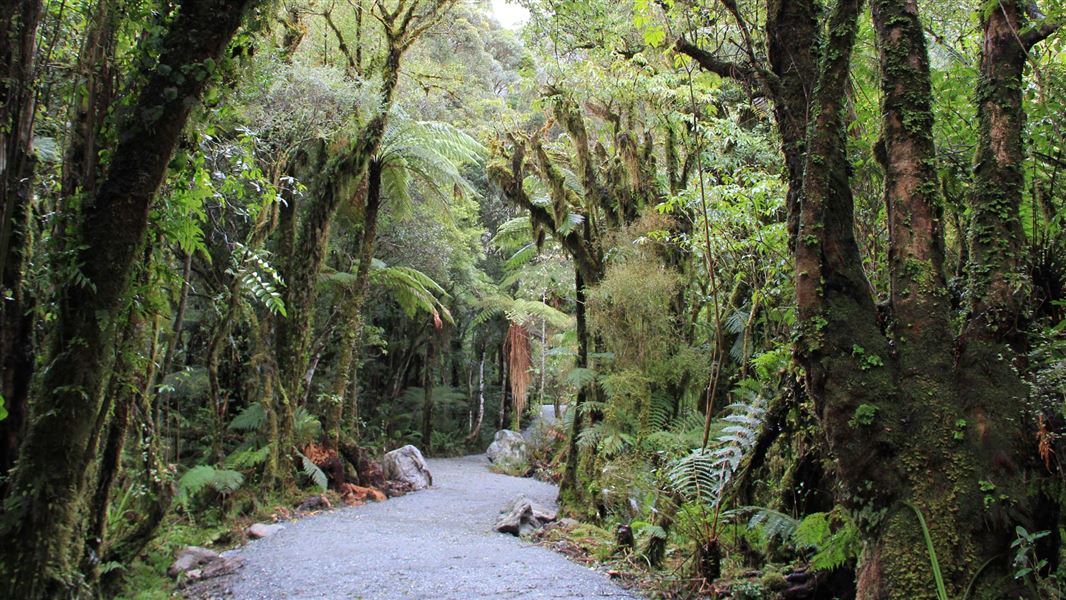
x,y
407,465
263,530
521,516
508,448
195,562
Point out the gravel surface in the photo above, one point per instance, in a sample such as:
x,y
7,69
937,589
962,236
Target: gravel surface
x,y
437,543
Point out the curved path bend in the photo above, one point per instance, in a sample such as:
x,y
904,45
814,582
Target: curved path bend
x,y
433,544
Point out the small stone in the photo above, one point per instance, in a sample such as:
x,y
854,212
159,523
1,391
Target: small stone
x,y
190,558
316,502
263,530
223,566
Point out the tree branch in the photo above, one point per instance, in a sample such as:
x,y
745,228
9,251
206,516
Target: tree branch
x,y
709,62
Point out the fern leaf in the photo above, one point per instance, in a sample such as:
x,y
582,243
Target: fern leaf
x,y
317,475
251,418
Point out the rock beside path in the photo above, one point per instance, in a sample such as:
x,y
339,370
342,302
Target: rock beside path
x,y
521,516
508,449
262,530
407,465
195,563
313,503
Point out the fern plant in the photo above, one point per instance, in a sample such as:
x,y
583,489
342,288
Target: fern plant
x,y
832,539
431,152
314,472
259,279
204,477
704,475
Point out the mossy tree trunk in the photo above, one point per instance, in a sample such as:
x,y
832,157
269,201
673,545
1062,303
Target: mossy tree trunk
x,y
42,546
793,39
914,427
997,277
336,171
18,42
571,492
352,308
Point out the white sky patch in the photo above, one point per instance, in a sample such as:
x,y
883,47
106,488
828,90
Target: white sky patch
x,y
509,14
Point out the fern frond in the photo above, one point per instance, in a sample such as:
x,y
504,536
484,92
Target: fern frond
x,y
259,279
317,475
202,477
704,475
581,377
251,418
248,458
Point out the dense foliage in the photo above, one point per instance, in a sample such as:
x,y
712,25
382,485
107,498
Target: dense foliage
x,y
791,272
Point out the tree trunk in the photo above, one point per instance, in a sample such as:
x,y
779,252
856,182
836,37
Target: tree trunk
x,y
42,548
998,279
18,35
502,416
124,388
427,398
92,100
331,179
122,547
351,321
475,429
175,339
571,492
911,436
793,39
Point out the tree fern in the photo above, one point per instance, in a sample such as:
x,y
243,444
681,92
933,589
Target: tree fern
x,y
581,377
412,289
519,311
433,153
512,234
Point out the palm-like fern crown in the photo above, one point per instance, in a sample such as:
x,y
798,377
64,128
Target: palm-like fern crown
x,y
412,289
430,152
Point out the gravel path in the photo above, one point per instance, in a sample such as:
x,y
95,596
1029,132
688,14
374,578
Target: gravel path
x,y
437,543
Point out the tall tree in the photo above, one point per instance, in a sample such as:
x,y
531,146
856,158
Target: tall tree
x,y
920,435
998,281
18,43
42,543
337,171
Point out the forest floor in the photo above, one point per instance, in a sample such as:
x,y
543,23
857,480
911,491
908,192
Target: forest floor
x,y
437,543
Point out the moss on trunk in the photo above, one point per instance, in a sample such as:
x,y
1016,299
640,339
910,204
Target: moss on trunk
x,y
42,545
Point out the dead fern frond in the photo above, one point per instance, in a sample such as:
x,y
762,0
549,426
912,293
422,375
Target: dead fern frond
x,y
519,359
